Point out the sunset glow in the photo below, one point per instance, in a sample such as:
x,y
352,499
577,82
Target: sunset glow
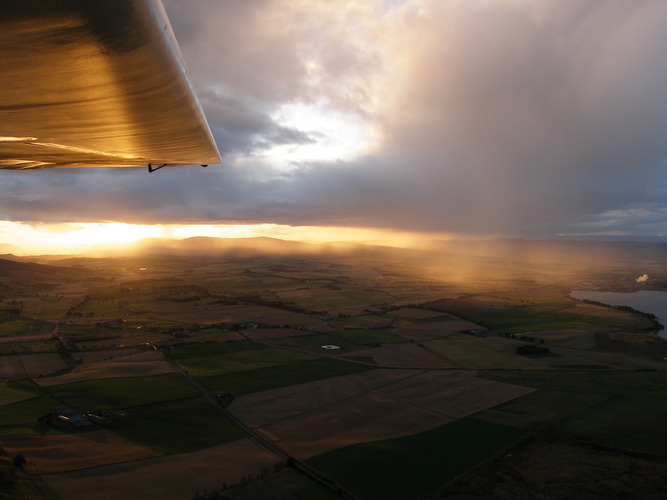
x,y
420,117
73,238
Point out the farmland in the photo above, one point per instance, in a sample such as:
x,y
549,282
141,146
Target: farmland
x,y
385,374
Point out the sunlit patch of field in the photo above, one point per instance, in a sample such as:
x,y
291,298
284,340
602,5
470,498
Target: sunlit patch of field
x,y
30,365
47,454
50,306
172,477
409,355
263,408
501,316
368,417
142,364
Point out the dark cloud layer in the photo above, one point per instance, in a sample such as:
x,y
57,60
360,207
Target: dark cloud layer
x,y
492,117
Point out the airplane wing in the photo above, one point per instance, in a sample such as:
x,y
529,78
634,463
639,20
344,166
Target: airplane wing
x,y
95,83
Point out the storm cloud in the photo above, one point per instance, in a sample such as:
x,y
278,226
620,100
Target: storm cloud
x,y
511,117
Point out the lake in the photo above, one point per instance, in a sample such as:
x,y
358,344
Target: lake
x,y
649,301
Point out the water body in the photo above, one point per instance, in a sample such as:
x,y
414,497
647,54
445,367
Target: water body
x,y
648,301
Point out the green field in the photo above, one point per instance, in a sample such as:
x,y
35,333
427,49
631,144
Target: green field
x,y
217,358
366,337
472,352
11,392
18,327
114,393
179,426
632,423
28,347
619,383
22,417
273,377
413,466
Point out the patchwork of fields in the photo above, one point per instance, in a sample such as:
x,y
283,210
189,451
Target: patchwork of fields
x,y
202,378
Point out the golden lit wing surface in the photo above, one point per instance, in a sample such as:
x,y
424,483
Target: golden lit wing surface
x,y
98,83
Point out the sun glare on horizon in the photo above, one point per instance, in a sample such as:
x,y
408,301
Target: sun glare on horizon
x,y
72,238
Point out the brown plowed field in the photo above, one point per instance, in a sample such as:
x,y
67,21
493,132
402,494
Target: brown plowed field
x,y
172,477
66,452
30,365
410,356
366,418
455,394
142,364
264,408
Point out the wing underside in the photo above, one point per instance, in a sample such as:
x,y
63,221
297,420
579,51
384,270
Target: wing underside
x,y
95,84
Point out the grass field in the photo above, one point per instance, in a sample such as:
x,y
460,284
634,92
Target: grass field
x,y
11,392
26,412
273,377
313,343
371,336
218,358
540,408
618,383
28,347
142,364
122,392
410,467
472,352
22,327
633,423
179,426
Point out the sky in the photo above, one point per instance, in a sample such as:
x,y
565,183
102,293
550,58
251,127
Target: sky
x,y
457,118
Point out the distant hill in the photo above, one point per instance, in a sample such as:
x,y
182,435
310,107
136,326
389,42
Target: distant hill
x,y
12,268
229,247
